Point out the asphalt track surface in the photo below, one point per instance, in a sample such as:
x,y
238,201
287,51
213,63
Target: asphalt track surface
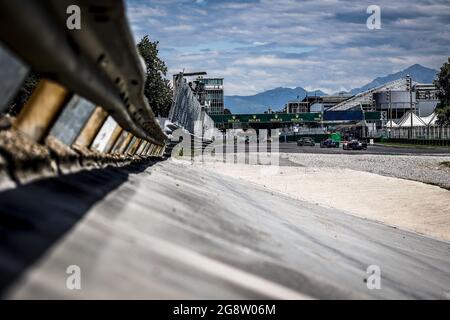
x,y
173,231
291,147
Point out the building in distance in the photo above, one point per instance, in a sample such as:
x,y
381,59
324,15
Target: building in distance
x,y
315,103
214,94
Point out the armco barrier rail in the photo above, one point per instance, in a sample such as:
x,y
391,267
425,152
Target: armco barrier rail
x,y
89,107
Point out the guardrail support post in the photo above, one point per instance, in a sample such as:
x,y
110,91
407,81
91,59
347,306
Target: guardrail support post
x,y
42,110
113,139
150,150
145,151
142,147
134,147
91,128
155,151
123,148
160,149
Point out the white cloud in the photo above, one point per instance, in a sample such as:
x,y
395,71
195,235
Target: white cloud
x,y
266,61
320,44
180,27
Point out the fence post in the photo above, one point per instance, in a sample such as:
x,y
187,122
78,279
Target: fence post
x,y
42,110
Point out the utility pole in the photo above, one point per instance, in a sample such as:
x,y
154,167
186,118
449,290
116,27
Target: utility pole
x,y
408,88
363,126
390,111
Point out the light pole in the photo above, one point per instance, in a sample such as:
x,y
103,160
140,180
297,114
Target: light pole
x,y
390,111
363,126
408,88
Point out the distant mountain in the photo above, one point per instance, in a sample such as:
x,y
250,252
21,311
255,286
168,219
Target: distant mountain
x,y
277,98
417,72
258,103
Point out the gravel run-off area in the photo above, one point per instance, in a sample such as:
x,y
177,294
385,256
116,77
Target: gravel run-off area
x,y
426,169
387,189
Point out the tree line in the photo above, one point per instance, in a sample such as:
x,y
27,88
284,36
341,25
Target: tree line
x,y
442,84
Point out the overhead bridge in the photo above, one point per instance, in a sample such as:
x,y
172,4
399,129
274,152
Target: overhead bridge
x,y
280,119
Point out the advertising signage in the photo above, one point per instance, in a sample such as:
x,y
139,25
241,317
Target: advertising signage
x,y
266,118
297,117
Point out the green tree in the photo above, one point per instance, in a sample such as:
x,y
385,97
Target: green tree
x,y
226,111
442,84
157,88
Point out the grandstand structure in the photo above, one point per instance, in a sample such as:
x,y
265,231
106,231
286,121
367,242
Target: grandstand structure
x,y
365,99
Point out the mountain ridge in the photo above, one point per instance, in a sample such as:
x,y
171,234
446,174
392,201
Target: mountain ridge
x,y
278,97
275,98
417,72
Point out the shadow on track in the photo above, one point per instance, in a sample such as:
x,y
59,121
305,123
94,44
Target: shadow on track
x,y
34,216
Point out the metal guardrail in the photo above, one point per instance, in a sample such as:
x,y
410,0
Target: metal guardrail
x,y
99,62
90,101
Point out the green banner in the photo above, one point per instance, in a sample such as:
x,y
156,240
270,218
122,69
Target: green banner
x,y
266,118
281,117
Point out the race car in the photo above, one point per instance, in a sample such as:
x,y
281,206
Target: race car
x,y
305,141
354,144
328,143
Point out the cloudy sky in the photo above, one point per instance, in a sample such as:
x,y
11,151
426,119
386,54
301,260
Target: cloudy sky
x,y
258,45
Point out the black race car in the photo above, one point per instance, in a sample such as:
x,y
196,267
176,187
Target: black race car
x,y
306,141
328,143
354,144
